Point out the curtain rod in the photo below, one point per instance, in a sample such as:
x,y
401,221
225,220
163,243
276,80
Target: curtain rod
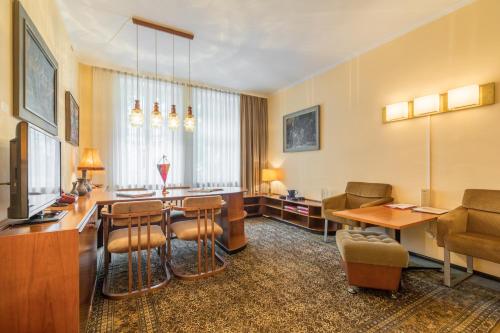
x,y
229,91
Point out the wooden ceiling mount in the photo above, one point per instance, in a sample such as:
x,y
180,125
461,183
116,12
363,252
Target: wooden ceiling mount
x,y
162,27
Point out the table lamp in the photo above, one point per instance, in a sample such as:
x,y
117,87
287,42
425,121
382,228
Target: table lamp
x,y
269,175
90,161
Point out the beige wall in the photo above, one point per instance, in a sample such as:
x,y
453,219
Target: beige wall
x,y
46,17
459,49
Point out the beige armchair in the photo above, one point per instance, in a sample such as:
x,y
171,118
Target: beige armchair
x,y
472,229
357,195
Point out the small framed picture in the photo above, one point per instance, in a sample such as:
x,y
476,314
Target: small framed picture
x,y
72,120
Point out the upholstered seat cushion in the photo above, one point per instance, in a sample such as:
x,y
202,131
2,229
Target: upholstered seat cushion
x,y
475,244
188,230
365,247
118,239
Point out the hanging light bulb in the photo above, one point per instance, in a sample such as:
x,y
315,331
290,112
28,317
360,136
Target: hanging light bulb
x,y
136,116
156,116
173,120
189,120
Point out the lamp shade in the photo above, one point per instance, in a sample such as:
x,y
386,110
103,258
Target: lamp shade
x,y
397,111
268,175
463,97
425,105
90,160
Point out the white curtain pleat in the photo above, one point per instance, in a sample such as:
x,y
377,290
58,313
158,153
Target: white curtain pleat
x,y
138,149
207,157
216,139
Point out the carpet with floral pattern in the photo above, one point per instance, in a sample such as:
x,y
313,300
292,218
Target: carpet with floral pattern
x,y
288,280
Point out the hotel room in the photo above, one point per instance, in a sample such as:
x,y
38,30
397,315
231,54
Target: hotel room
x,y
236,166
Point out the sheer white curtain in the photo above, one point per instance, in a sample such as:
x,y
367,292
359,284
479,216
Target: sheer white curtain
x,y
131,153
207,157
216,138
138,149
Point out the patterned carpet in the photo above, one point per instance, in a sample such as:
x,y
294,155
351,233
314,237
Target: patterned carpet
x,y
288,280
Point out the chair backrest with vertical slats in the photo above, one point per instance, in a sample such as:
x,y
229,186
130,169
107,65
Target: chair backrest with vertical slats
x,y
140,214
202,203
136,207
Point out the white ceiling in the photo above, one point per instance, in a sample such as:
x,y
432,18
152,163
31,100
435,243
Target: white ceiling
x,y
248,45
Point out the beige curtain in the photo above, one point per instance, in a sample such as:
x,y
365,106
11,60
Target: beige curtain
x,y
253,141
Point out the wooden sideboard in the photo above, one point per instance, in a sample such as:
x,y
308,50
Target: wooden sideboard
x,y
274,207
48,271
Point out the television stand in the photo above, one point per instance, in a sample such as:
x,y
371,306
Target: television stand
x,y
47,216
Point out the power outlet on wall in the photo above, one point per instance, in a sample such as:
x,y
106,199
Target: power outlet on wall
x,y
425,197
4,107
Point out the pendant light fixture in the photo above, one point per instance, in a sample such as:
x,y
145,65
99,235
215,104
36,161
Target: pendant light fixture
x,y
173,119
189,120
136,116
156,117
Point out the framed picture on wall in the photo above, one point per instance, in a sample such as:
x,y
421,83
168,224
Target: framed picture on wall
x,y
301,130
72,119
35,74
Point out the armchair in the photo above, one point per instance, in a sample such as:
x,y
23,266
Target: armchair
x,y
472,229
357,195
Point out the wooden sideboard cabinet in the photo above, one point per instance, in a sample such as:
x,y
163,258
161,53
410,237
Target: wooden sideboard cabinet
x,y
48,273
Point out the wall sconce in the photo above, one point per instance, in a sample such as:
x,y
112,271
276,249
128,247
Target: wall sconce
x,y
462,98
397,111
425,105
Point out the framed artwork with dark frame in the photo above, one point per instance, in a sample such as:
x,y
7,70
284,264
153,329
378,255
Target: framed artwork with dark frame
x,y
35,74
72,116
301,130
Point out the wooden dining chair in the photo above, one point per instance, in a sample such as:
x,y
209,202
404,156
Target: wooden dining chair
x,y
201,228
138,232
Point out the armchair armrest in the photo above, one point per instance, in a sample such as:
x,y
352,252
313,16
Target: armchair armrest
x,y
335,203
377,202
454,221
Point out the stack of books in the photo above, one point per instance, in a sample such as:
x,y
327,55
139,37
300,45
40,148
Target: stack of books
x,y
303,210
297,209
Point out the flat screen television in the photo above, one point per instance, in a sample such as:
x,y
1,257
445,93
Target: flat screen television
x,y
35,171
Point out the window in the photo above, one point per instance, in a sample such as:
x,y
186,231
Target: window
x,y
208,157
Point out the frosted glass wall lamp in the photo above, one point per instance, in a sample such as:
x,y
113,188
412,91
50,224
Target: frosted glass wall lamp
x,y
461,98
426,105
397,111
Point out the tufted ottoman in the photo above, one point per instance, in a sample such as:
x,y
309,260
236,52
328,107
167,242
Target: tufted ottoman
x,y
371,259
